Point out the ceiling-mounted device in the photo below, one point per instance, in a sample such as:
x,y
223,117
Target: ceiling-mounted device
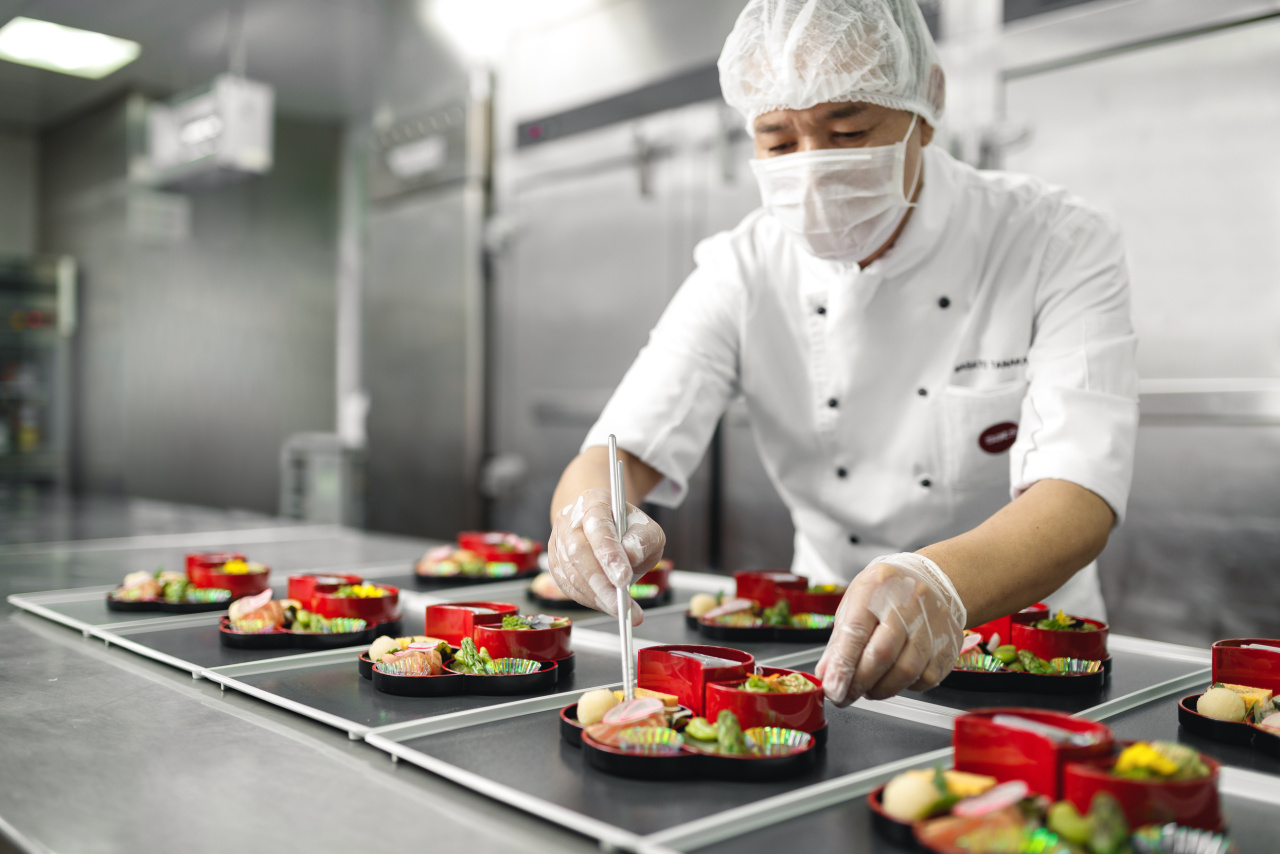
x,y
215,136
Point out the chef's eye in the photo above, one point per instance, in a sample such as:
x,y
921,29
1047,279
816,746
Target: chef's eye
x,y
780,147
857,134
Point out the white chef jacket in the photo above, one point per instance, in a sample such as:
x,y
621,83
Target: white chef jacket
x,y
883,400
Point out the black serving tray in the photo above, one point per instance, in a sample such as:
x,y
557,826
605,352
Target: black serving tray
x,y
164,606
564,666
756,634
688,765
571,730
663,598
283,638
438,582
448,683
1227,732
1013,682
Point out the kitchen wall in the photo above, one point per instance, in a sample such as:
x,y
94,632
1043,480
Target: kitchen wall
x,y
1179,142
18,158
203,345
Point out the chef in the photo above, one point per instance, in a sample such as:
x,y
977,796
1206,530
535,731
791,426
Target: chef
x,y
938,362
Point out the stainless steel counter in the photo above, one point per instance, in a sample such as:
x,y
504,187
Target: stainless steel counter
x,y
105,748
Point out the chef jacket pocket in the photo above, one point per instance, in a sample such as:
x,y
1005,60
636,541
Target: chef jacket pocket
x,y
979,426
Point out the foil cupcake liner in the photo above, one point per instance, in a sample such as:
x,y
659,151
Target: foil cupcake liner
x,y
812,621
412,665
977,661
1075,666
740,620
253,627
776,741
515,666
653,741
207,595
340,626
1174,839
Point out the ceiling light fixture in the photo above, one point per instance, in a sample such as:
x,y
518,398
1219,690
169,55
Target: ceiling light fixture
x,y
65,49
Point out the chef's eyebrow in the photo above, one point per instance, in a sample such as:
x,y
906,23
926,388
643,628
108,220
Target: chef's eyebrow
x,y
773,127
846,111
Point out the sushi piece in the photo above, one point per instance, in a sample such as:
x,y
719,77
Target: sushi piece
x,y
417,662
139,586
255,608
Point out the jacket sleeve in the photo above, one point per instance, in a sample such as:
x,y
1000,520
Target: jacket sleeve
x,y
667,406
1080,415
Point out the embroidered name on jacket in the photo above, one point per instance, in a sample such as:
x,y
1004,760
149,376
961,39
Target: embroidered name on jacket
x,y
990,364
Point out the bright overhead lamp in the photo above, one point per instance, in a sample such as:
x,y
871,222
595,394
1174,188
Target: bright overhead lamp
x,y
65,49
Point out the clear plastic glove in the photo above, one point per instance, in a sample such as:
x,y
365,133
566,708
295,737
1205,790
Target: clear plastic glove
x,y
899,626
586,559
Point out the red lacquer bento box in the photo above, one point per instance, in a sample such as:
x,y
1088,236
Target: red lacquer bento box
x,y
1035,660
1033,749
525,659
1243,663
771,606
453,621
782,731
314,615
205,569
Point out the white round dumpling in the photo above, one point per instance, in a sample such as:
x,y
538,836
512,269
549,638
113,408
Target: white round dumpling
x,y
593,704
701,603
1222,704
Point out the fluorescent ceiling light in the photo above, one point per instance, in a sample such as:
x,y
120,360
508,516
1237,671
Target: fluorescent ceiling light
x,y
65,49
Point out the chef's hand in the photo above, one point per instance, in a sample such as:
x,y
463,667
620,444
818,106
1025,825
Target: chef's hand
x,y
586,559
899,626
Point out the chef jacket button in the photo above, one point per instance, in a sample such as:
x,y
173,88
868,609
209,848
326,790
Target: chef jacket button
x,y
853,539
822,309
926,483
922,391
833,403
945,302
842,472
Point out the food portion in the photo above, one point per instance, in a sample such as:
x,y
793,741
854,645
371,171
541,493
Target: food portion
x,y
701,603
748,613
480,555
240,567
388,646
971,813
519,622
260,614
1160,760
361,591
166,586
920,793
1060,622
1240,704
593,705
1010,659
448,562
778,683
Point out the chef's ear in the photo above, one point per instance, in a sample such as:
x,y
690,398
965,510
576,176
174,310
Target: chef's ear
x,y
926,133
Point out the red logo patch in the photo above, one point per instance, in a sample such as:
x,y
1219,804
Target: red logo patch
x,y
998,438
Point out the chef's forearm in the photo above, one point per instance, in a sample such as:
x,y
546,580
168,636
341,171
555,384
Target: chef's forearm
x,y
1027,550
590,470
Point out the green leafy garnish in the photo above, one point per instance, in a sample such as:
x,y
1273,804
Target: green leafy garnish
x,y
729,737
515,621
778,614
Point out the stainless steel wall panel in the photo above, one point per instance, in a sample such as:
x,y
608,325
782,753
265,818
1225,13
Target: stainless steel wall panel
x,y
419,319
196,358
1201,535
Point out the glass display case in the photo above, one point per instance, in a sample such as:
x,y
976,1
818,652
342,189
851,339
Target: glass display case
x,y
37,327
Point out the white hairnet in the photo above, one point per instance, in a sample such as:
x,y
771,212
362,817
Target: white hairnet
x,y
792,54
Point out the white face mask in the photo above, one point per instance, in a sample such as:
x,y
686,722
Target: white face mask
x,y
841,203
